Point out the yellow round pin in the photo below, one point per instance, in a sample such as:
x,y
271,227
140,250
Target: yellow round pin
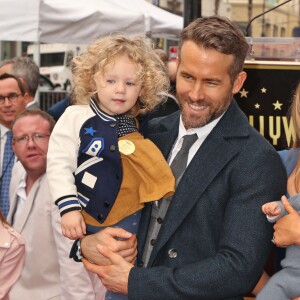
x,y
126,147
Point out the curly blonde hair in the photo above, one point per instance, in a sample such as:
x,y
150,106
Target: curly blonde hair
x,y
152,73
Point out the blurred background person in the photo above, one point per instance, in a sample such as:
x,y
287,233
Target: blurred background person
x,y
170,103
172,70
28,71
13,99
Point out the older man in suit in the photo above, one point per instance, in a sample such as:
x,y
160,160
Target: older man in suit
x,y
210,241
48,272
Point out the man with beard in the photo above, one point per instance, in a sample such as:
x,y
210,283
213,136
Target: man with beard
x,y
210,241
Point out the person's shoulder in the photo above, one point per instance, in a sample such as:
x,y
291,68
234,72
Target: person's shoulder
x,y
259,152
5,236
288,153
258,138
289,158
62,104
18,239
77,111
259,145
234,125
164,121
9,237
57,109
248,140
255,139
77,108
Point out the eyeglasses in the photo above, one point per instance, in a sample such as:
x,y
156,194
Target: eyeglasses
x,y
12,97
38,138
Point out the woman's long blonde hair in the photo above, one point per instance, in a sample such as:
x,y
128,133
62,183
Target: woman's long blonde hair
x,y
295,114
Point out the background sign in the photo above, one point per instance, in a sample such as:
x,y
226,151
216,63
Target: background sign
x,y
266,97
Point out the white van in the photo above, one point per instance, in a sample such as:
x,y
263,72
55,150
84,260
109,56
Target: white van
x,y
55,62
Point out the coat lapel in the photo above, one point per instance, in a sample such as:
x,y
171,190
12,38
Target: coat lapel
x,y
211,158
12,209
18,173
29,202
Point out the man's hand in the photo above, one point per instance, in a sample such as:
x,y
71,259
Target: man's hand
x,y
114,276
109,237
287,229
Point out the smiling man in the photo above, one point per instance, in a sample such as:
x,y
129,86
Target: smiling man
x,y
210,241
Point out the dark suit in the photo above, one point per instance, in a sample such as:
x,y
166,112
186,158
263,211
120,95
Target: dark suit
x,y
57,109
214,241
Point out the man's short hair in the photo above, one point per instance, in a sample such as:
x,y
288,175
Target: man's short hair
x,y
36,112
20,84
220,34
27,69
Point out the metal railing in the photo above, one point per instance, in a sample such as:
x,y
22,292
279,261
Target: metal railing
x,y
48,98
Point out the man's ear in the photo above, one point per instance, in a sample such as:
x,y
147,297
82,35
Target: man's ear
x,y
27,98
239,81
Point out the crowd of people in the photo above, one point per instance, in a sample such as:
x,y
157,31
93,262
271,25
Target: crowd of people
x,y
131,190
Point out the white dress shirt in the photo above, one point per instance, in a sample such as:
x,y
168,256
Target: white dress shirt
x,y
21,193
202,133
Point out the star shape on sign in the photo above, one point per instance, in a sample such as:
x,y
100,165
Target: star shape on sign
x,y
277,105
244,93
263,90
257,105
90,131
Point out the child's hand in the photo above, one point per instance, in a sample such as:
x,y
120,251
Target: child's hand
x,y
272,209
73,225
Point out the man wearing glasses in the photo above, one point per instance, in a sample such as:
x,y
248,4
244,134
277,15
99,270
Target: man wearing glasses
x,y
27,71
48,272
13,99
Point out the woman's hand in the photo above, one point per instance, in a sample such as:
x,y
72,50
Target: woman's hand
x,y
287,229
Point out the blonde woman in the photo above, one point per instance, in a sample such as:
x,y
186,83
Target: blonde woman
x,y
284,284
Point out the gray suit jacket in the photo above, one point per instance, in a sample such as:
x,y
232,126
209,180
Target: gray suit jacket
x,y
48,272
214,241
